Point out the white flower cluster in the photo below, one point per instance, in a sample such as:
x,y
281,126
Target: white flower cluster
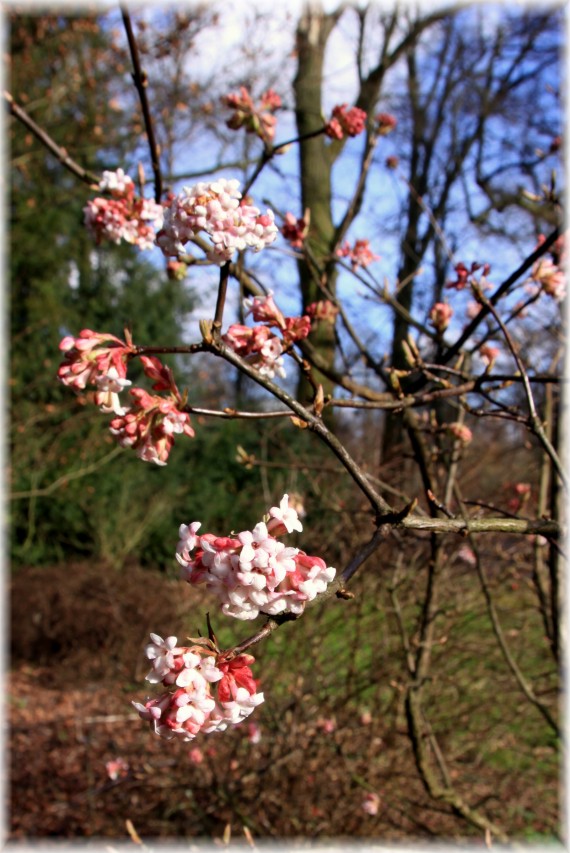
x,y
117,183
254,572
214,210
192,708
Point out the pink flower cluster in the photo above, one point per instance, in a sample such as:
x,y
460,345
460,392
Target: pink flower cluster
x,y
215,210
149,425
125,216
258,120
295,230
350,121
96,359
259,345
195,705
253,571
440,315
360,255
324,310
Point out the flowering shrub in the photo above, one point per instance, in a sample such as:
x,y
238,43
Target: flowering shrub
x,y
195,705
217,211
253,572
125,216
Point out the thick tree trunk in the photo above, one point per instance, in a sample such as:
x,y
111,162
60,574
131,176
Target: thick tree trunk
x,y
315,167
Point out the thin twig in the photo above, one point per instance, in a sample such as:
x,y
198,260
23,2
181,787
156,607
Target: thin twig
x,y
141,83
450,353
221,300
315,424
83,174
535,421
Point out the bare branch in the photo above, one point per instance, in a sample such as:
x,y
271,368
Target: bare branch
x,y
83,174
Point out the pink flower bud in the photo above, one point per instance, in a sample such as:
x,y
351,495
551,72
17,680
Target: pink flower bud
x,y
386,123
440,315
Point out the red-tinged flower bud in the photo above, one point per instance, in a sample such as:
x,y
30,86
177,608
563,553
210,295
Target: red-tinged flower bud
x,y
386,123
440,315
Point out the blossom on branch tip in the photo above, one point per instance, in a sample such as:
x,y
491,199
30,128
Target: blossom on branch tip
x,y
460,432
264,310
386,123
117,183
324,310
522,492
94,359
360,255
258,120
254,572
440,315
550,277
283,519
350,121
259,345
125,216
217,211
464,276
489,354
262,349
296,230
150,425
211,693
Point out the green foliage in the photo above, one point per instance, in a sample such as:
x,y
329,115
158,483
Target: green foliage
x,y
73,496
